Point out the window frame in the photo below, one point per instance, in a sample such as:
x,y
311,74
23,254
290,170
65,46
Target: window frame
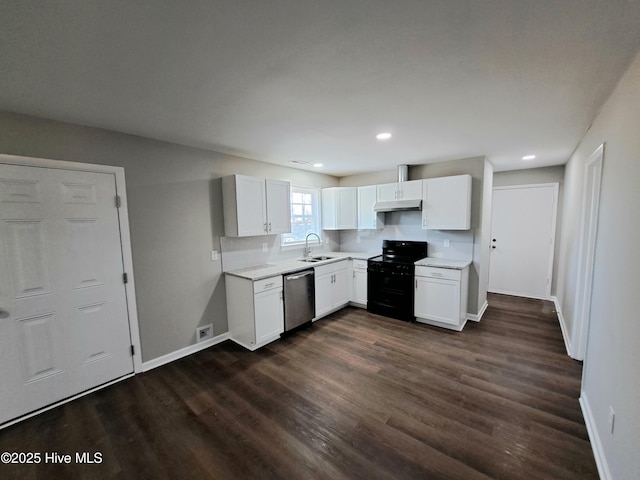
x,y
317,228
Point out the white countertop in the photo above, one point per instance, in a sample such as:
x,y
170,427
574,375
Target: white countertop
x,y
443,263
258,272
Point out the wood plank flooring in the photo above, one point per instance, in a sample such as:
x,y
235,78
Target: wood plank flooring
x,y
355,396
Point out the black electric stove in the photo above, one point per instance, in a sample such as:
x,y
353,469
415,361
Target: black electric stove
x,y
390,285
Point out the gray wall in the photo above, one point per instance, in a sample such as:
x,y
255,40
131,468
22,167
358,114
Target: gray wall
x,y
610,372
175,211
531,176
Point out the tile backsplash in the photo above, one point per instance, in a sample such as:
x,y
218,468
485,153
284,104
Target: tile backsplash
x,y
241,252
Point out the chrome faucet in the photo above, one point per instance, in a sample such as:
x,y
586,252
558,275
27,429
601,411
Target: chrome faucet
x,y
307,248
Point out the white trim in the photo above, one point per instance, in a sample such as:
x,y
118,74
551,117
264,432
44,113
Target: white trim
x,y
183,352
62,402
563,327
477,317
518,294
125,234
586,256
594,437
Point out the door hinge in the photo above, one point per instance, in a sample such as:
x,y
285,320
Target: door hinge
x,y
118,201
133,350
125,278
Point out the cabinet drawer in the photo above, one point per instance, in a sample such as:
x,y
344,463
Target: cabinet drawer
x,y
267,284
330,268
434,272
359,264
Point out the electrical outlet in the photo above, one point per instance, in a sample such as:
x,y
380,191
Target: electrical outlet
x,y
204,333
265,247
357,238
447,243
612,419
214,255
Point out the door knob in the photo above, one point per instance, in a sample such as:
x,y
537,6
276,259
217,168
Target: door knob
x,y
4,314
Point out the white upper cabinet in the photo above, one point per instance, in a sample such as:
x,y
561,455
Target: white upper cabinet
x,y
339,210
255,206
446,203
278,206
411,190
368,219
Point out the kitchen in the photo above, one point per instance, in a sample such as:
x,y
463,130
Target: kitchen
x,y
447,206
175,205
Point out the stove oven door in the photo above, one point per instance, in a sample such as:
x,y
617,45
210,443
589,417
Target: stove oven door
x,y
390,294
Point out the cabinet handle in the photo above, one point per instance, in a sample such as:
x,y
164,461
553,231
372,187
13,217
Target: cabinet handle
x,y
265,227
416,283
269,226
267,285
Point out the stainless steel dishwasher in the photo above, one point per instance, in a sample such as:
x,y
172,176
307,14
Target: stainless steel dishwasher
x,y
299,298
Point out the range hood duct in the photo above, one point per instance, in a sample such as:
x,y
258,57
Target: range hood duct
x,y
399,205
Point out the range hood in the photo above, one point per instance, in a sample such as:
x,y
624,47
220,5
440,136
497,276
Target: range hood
x,y
399,205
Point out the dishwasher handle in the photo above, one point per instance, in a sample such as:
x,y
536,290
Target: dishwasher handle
x,y
296,277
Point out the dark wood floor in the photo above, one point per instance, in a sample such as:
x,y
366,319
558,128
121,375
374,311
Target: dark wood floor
x,y
354,396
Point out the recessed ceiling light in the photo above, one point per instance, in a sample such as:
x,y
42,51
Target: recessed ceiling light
x,y
383,136
317,165
529,157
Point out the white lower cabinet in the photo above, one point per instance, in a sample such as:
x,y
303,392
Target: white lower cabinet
x,y
332,289
359,283
441,296
255,310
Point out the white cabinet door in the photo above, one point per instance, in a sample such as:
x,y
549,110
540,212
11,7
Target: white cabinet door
x,y
359,290
447,203
269,314
411,190
278,195
347,208
339,208
437,300
324,294
387,192
367,217
340,288
251,206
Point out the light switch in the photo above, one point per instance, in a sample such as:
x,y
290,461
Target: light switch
x,y
214,255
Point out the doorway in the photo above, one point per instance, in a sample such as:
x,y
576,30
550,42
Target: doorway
x,y
588,232
522,240
66,319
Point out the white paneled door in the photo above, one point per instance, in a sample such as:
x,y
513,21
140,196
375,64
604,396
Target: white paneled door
x,y
64,325
522,240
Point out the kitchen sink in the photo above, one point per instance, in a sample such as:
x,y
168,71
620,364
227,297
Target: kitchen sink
x,y
315,258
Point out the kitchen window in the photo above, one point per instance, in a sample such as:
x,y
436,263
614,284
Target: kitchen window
x,y
305,216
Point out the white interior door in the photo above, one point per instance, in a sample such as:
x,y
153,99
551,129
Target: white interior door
x,y
63,319
523,236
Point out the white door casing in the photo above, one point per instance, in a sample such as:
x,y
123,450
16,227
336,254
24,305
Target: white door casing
x,y
522,240
64,326
588,234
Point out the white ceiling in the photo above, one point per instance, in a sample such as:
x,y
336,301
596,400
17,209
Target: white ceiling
x,y
314,81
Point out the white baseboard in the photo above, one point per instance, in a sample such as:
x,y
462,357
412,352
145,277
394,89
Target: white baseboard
x,y
478,317
563,327
594,437
183,352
